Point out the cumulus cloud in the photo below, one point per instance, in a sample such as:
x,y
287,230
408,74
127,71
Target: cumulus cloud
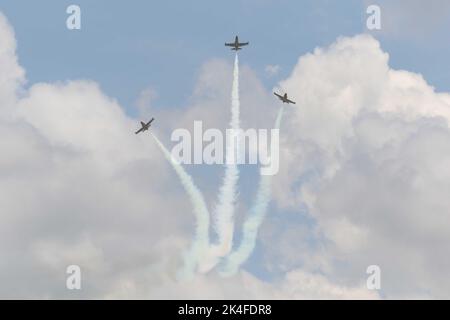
x,y
145,100
12,74
75,187
78,187
297,284
364,156
366,152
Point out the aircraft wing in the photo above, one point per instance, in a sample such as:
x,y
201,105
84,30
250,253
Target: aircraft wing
x,y
290,101
150,121
279,96
229,44
243,44
139,131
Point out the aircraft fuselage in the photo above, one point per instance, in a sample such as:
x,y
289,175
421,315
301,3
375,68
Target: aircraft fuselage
x,y
236,45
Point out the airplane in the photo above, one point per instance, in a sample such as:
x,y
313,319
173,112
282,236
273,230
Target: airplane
x,y
284,98
145,126
236,44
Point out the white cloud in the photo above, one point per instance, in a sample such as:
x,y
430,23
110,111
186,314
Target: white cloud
x,y
367,150
297,284
12,74
78,187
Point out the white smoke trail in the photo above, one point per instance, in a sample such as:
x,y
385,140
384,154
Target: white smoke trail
x,y
224,211
253,222
200,243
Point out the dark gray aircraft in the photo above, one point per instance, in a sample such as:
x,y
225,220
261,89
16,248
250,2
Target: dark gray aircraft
x,y
236,44
145,126
284,98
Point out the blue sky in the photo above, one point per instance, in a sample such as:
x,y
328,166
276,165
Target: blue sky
x,y
162,44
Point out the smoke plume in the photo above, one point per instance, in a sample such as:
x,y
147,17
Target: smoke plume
x,y
253,222
200,243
